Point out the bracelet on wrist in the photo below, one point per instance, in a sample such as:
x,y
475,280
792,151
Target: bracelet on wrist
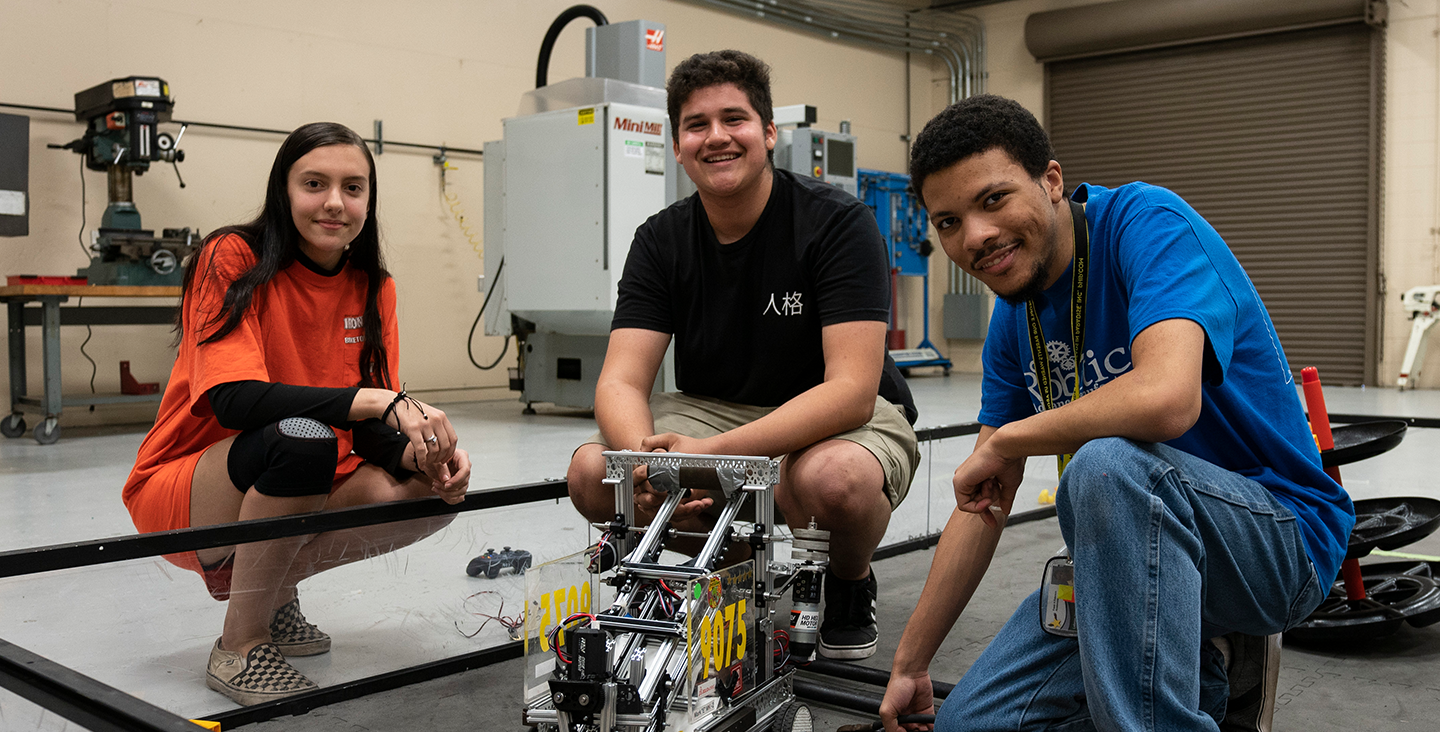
x,y
402,398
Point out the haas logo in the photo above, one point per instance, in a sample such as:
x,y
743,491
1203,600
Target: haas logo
x,y
644,128
655,39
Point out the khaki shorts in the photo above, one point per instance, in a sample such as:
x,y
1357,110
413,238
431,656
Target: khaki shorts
x,y
887,435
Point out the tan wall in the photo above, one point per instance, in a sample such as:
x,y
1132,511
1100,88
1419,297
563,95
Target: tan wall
x,y
1410,213
1011,72
434,72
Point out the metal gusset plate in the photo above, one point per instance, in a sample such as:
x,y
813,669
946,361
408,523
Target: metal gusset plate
x,y
758,471
1390,523
1355,442
1398,592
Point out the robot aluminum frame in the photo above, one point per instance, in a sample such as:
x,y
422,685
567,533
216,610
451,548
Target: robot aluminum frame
x,y
761,475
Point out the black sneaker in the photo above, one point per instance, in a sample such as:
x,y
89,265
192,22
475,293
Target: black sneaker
x,y
848,630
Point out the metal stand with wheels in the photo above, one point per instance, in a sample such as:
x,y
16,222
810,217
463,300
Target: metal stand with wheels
x,y
903,225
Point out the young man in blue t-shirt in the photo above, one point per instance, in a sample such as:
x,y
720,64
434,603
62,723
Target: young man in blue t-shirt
x,y
1194,506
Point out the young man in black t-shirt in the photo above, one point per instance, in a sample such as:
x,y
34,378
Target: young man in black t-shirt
x,y
776,291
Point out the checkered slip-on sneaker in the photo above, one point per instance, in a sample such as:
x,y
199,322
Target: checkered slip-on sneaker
x,y
259,676
294,635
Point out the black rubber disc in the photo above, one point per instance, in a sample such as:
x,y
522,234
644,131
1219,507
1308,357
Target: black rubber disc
x,y
1390,523
1354,442
1413,567
1394,598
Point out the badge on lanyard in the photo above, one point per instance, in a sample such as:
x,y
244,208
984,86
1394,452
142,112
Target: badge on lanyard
x,y
1057,584
1057,597
1079,281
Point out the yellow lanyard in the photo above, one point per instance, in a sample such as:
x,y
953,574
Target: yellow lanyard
x,y
1079,281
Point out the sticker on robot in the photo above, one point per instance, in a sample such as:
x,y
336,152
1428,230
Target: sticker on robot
x,y
712,598
804,620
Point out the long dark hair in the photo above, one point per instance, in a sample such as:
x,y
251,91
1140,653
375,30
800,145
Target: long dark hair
x,y
273,238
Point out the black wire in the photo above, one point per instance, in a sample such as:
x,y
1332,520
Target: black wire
x,y
80,235
542,65
93,367
470,341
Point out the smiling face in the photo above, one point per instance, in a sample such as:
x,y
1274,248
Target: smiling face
x,y
722,144
1000,224
329,191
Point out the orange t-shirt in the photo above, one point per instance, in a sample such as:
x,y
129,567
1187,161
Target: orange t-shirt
x,y
303,329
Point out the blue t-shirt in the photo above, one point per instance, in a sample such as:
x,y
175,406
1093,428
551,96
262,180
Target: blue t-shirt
x,y
1153,258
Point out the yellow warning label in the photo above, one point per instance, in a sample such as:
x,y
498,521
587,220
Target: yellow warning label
x,y
586,116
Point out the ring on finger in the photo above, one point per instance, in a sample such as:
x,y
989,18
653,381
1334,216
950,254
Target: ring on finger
x,y
432,439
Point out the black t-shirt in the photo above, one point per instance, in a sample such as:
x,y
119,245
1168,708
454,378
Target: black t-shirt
x,y
746,316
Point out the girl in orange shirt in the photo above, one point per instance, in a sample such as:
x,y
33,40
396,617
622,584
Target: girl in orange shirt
x,y
282,401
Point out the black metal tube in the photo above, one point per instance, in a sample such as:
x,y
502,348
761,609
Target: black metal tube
x,y
38,109
855,700
263,130
866,675
325,696
542,65
79,698
102,551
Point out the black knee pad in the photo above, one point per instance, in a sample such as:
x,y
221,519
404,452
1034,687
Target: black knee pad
x,y
292,457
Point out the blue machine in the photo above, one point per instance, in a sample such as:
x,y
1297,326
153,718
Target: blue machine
x,y
903,224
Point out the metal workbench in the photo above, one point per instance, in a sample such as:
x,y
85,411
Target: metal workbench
x,y
50,317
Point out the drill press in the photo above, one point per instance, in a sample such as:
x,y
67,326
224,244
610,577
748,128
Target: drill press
x,y
121,139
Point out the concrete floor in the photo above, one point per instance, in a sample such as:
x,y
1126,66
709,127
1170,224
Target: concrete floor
x,y
1393,684
131,625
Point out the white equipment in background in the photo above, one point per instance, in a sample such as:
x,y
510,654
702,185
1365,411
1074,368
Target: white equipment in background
x,y
582,165
1422,304
804,150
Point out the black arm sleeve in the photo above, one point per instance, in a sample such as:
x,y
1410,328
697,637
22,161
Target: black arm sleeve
x,y
247,405
382,445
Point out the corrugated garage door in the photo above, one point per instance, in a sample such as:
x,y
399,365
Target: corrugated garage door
x,y
1272,138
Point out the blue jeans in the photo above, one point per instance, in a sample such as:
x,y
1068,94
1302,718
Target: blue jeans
x,y
1169,552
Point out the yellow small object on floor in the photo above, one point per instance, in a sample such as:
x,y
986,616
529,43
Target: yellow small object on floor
x,y
207,724
1046,497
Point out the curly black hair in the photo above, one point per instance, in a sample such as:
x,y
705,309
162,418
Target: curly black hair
x,y
702,70
976,125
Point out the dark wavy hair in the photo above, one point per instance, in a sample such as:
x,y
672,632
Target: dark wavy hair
x,y
973,126
702,70
273,238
